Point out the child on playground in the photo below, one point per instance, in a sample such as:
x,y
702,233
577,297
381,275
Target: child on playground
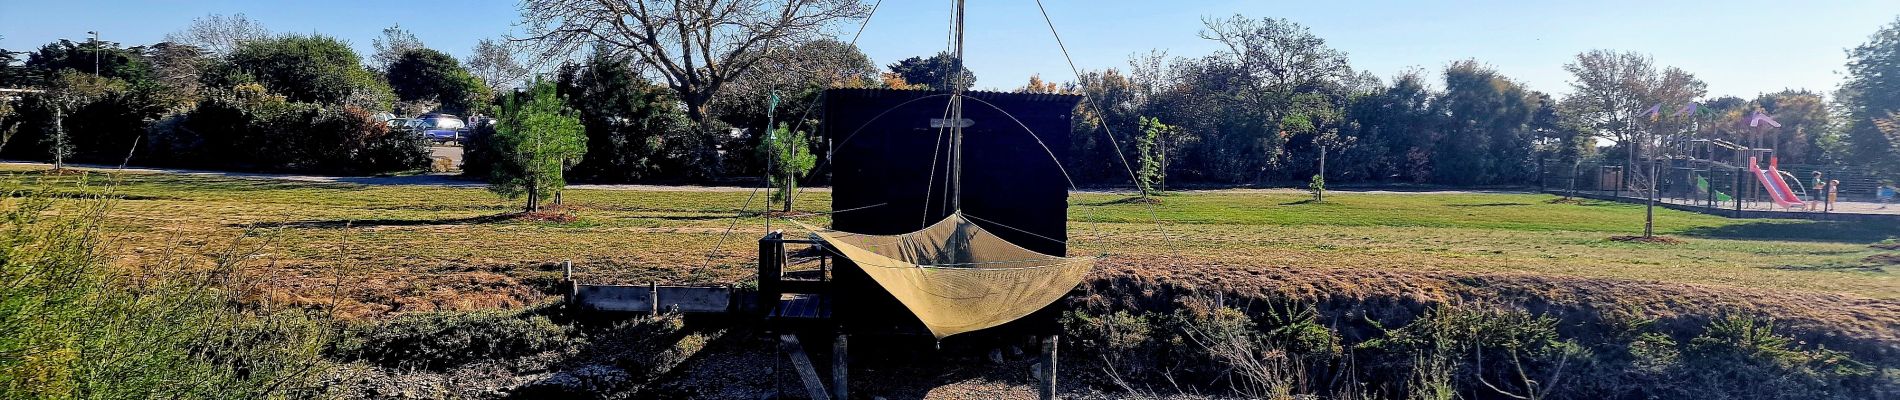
x,y
1885,194
1816,196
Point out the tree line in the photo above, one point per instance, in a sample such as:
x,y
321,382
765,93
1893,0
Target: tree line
x,y
1275,101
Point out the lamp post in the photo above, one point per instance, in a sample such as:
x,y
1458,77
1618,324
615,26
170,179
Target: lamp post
x,y
95,53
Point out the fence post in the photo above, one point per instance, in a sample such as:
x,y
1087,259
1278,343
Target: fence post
x,y
1738,192
1622,177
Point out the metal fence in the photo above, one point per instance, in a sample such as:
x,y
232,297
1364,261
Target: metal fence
x,y
1701,182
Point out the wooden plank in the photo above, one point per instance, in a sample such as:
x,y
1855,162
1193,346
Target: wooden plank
x,y
807,373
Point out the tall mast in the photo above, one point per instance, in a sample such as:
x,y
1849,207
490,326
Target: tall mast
x,y
956,113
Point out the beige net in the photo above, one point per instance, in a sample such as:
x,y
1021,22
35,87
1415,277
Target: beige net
x,y
956,276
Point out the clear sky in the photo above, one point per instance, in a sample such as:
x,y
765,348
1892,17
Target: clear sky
x,y
1740,47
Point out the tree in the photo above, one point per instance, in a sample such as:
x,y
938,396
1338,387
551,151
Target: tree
x,y
791,154
11,73
314,68
936,72
1121,113
1805,125
219,35
1613,92
1316,119
1237,99
538,138
394,43
69,91
1394,127
1151,150
633,125
1283,53
177,67
798,76
1037,85
1871,92
1485,138
494,63
426,74
698,47
9,121
107,58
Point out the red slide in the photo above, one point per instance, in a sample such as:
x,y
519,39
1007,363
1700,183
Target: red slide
x,y
1778,190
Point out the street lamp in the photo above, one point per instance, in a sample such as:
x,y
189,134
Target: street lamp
x,y
95,53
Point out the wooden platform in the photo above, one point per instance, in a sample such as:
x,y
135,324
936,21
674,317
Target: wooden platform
x,y
801,307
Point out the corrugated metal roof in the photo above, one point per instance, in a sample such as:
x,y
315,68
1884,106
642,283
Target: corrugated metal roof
x,y
981,94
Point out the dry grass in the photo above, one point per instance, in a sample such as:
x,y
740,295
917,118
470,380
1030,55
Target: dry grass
x,y
370,251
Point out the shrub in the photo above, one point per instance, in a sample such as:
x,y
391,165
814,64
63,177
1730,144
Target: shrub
x,y
1743,358
444,340
1509,352
74,326
248,128
1113,346
304,68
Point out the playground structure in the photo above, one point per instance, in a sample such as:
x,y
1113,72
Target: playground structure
x,y
1717,174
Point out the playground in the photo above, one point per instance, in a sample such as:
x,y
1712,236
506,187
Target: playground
x,y
1731,171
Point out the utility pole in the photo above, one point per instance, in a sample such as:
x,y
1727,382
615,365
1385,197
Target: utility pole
x,y
95,53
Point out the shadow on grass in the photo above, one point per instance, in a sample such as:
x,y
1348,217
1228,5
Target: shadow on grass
x,y
366,223
1833,267
1860,232
695,217
1489,205
1125,200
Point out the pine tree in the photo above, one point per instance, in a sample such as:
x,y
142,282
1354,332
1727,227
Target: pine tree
x,y
538,138
1152,156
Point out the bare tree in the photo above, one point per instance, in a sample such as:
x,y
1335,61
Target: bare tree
x,y
176,66
1613,92
390,47
697,46
494,63
218,34
1278,51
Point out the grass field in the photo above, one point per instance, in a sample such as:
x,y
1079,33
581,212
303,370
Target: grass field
x,y
373,250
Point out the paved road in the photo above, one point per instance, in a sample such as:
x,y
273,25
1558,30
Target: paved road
x,y
453,153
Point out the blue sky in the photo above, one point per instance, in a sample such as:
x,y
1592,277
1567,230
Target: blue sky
x,y
1740,47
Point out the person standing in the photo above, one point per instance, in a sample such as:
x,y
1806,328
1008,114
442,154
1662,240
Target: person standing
x,y
1885,194
1817,192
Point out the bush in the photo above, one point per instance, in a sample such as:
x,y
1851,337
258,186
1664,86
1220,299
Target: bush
x,y
248,128
1286,351
72,325
445,340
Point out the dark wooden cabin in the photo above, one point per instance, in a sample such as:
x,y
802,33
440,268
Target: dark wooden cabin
x,y
884,183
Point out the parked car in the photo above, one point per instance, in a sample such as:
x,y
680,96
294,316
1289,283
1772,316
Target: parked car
x,y
397,124
440,128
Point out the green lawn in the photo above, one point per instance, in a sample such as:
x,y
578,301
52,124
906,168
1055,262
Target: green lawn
x,y
413,248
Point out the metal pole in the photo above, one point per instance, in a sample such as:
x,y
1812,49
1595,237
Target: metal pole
x,y
1649,209
95,53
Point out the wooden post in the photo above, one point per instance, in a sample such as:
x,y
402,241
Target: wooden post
x,y
770,270
807,374
1047,369
567,275
840,368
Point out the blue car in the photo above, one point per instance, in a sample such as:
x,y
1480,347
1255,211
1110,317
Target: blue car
x,y
440,128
